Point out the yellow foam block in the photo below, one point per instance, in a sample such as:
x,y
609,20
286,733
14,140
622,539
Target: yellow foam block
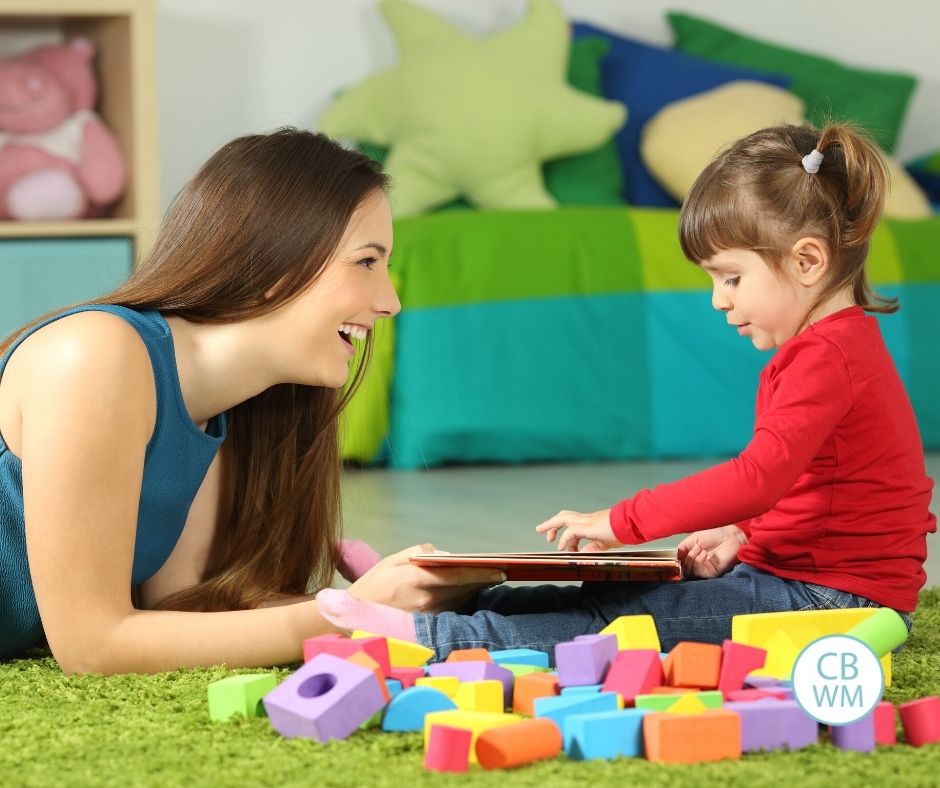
x,y
688,703
446,684
785,635
474,721
484,695
634,632
401,653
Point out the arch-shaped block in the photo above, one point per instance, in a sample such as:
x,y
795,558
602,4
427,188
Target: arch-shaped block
x,y
408,709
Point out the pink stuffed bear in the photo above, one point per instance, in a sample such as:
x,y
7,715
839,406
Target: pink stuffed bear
x,y
57,159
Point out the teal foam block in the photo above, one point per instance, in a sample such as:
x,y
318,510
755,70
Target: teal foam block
x,y
605,735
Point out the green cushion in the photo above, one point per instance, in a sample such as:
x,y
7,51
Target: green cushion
x,y
592,178
875,99
473,117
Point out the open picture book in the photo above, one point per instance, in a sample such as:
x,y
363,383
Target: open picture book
x,y
638,565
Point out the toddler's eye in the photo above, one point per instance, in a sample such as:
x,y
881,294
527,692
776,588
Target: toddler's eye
x,y
733,281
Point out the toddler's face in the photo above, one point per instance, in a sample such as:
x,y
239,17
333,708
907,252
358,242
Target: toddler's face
x,y
766,305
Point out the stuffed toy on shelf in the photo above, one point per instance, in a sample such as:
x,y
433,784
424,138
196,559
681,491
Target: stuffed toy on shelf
x,y
58,160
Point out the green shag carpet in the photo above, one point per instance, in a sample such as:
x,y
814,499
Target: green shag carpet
x,y
155,730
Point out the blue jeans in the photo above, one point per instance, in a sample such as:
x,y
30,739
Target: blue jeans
x,y
539,617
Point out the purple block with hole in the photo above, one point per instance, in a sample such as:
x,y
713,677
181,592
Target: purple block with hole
x,y
771,724
585,660
327,698
473,670
858,736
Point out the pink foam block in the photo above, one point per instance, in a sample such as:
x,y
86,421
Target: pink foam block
x,y
326,698
476,671
921,720
737,660
886,729
407,676
343,647
585,660
634,672
772,724
448,749
755,694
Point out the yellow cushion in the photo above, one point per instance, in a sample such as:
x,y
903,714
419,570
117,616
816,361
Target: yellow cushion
x,y
680,140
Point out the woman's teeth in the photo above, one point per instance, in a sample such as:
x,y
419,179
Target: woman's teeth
x,y
356,332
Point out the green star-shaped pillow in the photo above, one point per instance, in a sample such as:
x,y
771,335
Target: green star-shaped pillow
x,y
473,117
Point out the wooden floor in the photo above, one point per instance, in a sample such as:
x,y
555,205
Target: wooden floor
x,y
485,508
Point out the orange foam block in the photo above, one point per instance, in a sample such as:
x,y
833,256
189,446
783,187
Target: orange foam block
x,y
737,660
514,745
691,664
363,659
710,735
448,749
530,686
469,655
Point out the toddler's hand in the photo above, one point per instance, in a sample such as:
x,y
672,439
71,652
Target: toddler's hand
x,y
595,527
711,553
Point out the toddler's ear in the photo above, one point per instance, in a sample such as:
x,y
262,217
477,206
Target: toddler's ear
x,y
811,258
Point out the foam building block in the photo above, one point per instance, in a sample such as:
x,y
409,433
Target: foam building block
x,y
752,693
711,699
691,664
737,660
921,720
529,687
605,735
672,690
520,656
634,632
585,660
634,672
487,695
363,659
476,671
448,749
407,676
560,708
326,698
474,721
858,736
522,670
692,738
515,745
446,684
886,728
785,635
687,704
469,655
883,631
394,688
408,709
772,724
339,646
582,689
764,682
239,695
401,653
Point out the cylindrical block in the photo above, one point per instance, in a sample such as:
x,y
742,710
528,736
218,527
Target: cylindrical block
x,y
448,749
884,630
921,720
858,736
514,745
886,731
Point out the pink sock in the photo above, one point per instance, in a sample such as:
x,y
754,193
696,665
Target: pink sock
x,y
349,613
356,558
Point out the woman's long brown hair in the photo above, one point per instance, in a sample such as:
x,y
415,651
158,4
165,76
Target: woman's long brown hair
x,y
263,215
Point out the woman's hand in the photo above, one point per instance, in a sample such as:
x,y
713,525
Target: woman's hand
x,y
711,553
594,527
396,582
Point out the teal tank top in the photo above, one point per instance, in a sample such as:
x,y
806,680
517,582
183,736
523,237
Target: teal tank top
x,y
177,458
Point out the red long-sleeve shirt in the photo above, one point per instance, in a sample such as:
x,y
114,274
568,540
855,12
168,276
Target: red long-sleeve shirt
x,y
832,488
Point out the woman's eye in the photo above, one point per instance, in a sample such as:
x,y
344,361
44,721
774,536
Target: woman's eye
x,y
733,281
368,262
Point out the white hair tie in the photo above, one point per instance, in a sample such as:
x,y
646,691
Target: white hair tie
x,y
811,162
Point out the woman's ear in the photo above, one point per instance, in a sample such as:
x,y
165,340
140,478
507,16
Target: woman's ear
x,y
811,259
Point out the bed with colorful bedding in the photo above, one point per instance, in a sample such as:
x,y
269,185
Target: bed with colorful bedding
x,y
582,333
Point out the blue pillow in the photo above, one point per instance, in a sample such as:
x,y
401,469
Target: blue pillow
x,y
647,78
